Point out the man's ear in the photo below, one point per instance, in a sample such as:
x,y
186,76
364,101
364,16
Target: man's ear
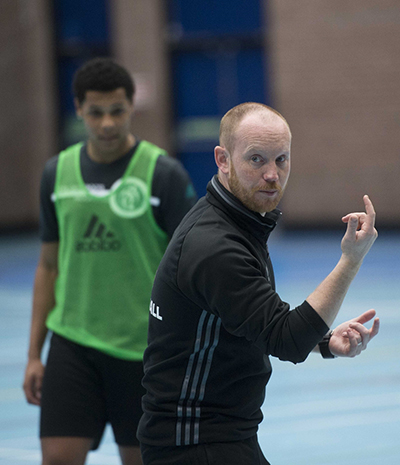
x,y
222,159
78,109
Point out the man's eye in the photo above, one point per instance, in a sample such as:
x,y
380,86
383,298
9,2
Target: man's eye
x,y
118,111
255,158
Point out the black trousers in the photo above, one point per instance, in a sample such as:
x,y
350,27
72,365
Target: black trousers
x,y
246,452
83,389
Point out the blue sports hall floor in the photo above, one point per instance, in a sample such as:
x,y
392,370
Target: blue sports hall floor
x,y
319,412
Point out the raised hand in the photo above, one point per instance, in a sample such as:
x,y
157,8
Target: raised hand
x,y
360,233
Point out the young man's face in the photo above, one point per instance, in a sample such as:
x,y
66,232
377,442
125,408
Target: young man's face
x,y
107,118
259,165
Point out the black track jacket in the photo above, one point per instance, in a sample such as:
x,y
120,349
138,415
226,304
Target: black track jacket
x,y
214,320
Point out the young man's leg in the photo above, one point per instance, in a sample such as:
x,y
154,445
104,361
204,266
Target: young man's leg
x,y
130,455
124,392
65,451
73,413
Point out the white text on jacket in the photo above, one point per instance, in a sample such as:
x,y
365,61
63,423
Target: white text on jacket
x,y
155,310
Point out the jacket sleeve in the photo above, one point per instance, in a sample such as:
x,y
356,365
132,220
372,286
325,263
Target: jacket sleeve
x,y
227,280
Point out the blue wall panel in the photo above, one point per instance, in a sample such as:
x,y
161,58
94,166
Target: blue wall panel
x,y
217,62
80,21
195,84
216,16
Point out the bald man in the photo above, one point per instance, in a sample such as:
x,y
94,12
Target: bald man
x,y
215,317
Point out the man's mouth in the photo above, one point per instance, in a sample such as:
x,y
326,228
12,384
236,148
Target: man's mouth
x,y
269,192
108,138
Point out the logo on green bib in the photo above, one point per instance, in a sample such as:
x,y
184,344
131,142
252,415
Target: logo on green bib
x,y
97,238
130,198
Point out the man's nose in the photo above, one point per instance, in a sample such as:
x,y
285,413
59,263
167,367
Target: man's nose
x,y
271,173
107,121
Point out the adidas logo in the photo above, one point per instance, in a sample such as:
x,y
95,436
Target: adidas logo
x,y
97,239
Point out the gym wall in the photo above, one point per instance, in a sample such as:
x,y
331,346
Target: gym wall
x,y
331,68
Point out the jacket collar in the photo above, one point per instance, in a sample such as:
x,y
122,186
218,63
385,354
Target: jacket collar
x,y
258,225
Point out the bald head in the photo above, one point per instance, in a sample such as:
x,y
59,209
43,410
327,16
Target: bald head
x,y
233,117
253,157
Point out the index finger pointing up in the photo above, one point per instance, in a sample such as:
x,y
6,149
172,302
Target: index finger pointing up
x,y
369,208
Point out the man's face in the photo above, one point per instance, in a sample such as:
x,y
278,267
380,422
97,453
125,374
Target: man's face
x,y
107,118
259,165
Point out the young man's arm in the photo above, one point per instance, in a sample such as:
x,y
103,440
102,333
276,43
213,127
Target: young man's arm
x,y
43,302
173,186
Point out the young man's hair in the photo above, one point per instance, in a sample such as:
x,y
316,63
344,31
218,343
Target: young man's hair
x,y
234,116
103,75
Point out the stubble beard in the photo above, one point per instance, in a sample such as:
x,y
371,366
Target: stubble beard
x,y
248,197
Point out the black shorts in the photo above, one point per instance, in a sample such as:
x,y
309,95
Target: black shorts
x,y
83,389
246,452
